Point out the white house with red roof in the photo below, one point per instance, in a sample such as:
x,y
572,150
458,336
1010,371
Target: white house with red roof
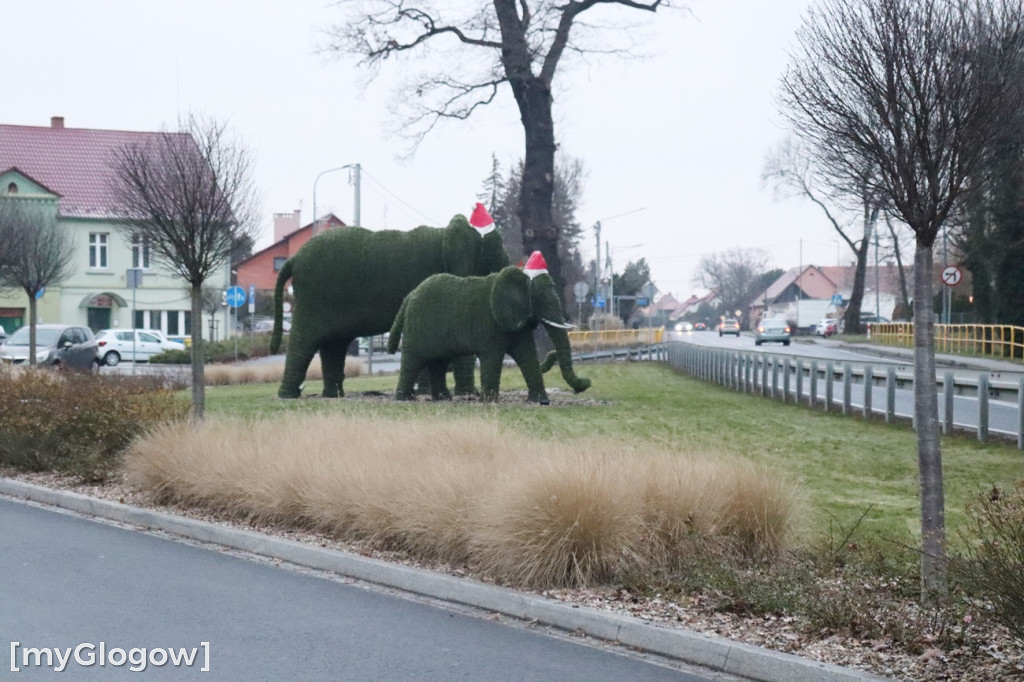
x,y
71,168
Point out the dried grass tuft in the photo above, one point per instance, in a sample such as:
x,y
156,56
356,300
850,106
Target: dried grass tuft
x,y
522,511
235,375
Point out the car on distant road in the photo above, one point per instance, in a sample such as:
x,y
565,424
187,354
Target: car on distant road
x,y
826,327
137,345
57,345
774,331
700,327
871,318
267,326
730,325
684,327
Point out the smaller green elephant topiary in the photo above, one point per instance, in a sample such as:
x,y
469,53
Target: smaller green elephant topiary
x,y
447,317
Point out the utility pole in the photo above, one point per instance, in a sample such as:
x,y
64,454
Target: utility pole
x,y
597,263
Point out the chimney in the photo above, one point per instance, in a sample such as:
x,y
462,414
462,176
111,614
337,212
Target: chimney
x,y
286,223
57,122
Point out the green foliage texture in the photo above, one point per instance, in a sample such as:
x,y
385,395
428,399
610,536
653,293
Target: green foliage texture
x,y
447,317
350,282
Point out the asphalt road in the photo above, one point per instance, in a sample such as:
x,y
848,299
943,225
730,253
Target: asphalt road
x,y
67,581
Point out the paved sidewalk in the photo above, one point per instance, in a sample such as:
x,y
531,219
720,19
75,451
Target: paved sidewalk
x,y
713,653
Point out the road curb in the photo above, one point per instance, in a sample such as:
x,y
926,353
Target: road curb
x,y
715,653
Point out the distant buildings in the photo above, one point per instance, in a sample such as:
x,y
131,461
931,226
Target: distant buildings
x,y
69,171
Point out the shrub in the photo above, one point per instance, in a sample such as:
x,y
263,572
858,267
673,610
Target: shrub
x,y
992,566
248,347
76,423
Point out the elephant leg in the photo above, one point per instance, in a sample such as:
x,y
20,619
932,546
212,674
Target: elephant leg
x,y
332,359
408,372
524,352
423,383
464,369
490,375
300,353
438,385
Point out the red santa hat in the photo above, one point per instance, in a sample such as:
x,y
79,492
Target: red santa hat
x,y
535,265
481,220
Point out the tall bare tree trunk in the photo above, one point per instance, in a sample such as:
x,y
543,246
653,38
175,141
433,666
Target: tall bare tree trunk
x,y
535,214
198,380
926,419
33,319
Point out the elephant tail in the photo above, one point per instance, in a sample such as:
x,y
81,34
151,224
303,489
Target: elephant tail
x,y
282,277
395,335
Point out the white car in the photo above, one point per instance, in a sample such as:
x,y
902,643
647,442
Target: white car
x,y
138,345
826,327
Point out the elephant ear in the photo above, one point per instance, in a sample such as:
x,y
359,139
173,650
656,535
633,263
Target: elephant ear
x,y
460,248
510,299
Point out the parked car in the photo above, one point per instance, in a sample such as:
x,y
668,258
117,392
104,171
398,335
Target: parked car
x,y
871,318
700,327
775,331
267,326
730,325
57,345
137,345
826,327
3,333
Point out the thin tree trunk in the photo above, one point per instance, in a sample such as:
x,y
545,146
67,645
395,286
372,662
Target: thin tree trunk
x,y
32,321
926,419
198,380
901,271
852,317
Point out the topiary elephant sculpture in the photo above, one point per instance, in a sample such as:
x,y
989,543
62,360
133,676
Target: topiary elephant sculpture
x,y
448,317
349,282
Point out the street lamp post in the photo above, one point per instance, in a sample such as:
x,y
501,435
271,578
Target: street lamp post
x,y
355,182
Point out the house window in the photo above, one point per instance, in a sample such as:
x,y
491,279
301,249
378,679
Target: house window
x,y
12,188
140,252
98,249
279,262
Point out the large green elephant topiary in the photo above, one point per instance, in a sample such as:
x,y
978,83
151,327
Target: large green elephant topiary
x,y
448,317
349,282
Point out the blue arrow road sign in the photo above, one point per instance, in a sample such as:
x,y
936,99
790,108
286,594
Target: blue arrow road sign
x,y
236,297
599,302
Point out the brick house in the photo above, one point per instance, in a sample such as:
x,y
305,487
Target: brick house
x,y
260,269
69,171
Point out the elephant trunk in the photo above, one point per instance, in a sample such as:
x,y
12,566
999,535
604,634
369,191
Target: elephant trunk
x,y
560,337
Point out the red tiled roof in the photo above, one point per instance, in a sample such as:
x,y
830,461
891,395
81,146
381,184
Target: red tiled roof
x,y
73,162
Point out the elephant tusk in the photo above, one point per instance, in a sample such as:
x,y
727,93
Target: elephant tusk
x,y
559,325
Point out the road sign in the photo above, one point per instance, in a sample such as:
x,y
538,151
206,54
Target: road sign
x,y
581,289
252,298
837,299
951,275
599,302
41,293
235,297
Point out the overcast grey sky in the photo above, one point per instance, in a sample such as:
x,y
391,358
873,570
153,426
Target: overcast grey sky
x,y
681,134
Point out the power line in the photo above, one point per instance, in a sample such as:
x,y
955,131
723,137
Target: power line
x,y
397,198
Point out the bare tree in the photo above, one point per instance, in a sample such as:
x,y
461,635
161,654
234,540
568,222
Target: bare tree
x,y
487,44
734,276
897,86
791,171
190,195
37,253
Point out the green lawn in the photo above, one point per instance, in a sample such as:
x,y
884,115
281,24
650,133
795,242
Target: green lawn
x,y
845,465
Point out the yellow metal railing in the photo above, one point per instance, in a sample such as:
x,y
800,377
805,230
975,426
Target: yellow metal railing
x,y
616,337
996,340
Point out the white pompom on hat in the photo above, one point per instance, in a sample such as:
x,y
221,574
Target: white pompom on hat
x,y
535,265
481,220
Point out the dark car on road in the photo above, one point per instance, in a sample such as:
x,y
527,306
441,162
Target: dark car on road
x,y
730,325
57,345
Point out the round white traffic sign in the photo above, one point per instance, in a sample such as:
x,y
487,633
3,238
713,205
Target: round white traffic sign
x,y
951,275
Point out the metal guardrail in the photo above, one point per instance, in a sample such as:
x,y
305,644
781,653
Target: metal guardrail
x,y
851,388
993,340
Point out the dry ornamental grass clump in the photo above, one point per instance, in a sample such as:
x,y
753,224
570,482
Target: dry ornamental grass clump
x,y
522,511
